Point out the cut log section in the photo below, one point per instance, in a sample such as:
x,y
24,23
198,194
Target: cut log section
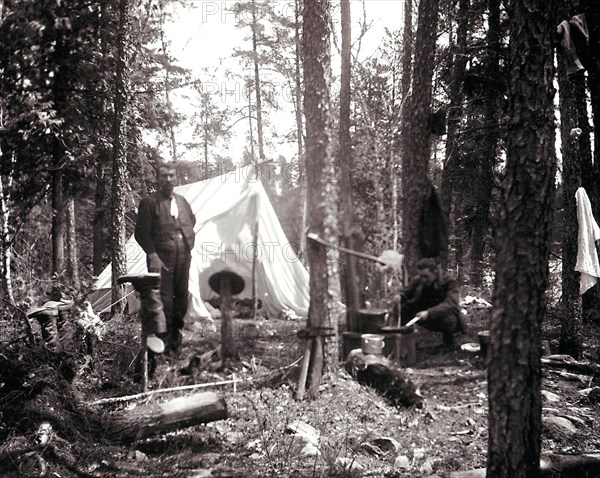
x,y
178,413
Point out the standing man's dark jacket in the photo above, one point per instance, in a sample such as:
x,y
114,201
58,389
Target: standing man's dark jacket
x,y
155,227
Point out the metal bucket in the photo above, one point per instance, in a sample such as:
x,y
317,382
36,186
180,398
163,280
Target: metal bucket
x,y
372,344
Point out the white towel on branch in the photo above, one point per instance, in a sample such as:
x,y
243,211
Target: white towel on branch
x,y
588,234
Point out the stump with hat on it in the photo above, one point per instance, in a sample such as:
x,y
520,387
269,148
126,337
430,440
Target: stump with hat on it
x,y
227,283
153,322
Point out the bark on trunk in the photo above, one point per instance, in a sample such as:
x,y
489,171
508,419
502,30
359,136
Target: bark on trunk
x,y
416,142
322,200
72,251
350,279
5,244
99,224
514,372
571,91
119,160
455,113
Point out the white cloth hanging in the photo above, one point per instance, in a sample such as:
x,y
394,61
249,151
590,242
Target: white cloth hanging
x,y
174,208
589,232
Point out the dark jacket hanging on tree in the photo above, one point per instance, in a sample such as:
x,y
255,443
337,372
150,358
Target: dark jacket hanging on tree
x,y
433,232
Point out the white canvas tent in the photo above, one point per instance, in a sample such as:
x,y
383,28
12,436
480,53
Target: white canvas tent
x,y
229,209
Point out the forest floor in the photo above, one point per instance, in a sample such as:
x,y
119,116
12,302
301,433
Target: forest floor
x,y
357,432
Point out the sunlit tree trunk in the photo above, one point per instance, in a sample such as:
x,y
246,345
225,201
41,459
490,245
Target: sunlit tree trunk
x,y
514,369
164,45
416,139
59,220
119,158
300,127
322,200
59,202
257,92
71,245
100,224
345,165
5,240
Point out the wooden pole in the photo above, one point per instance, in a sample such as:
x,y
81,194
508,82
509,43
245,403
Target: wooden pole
x,y
254,260
144,363
304,368
227,342
316,368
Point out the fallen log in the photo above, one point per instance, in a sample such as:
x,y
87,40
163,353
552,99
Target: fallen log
x,y
568,363
554,465
178,413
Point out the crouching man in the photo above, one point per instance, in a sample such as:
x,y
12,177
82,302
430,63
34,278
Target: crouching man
x,y
433,297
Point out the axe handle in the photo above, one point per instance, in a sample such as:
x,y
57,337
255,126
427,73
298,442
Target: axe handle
x,y
316,238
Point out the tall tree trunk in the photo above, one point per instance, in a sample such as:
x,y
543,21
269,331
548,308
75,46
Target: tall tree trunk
x,y
484,187
571,91
300,128
251,132
99,224
345,164
455,112
592,65
407,49
72,250
6,290
416,141
102,126
257,92
591,169
322,201
5,239
514,371
59,220
165,47
59,203
119,159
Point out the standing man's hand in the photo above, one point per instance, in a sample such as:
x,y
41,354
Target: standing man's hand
x,y
155,264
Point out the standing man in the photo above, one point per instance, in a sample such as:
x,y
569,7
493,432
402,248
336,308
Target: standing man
x,y
165,230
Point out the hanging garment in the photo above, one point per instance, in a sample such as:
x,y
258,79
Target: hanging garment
x,y
566,42
433,231
588,233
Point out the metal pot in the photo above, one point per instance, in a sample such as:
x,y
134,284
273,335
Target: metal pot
x,y
372,344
